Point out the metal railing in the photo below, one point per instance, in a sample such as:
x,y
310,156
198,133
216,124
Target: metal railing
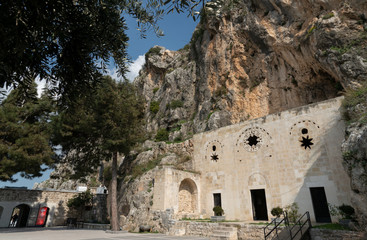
x,y
274,232
298,226
301,226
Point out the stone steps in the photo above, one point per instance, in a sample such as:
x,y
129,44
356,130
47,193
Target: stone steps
x,y
224,233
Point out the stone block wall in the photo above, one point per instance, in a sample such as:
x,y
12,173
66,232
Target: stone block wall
x,y
56,201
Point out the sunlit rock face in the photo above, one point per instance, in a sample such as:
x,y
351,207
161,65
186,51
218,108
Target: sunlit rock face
x,y
247,59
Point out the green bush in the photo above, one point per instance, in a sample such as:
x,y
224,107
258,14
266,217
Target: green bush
x,y
277,211
346,211
328,15
154,107
153,51
218,211
354,98
175,104
140,169
162,135
81,200
292,211
155,89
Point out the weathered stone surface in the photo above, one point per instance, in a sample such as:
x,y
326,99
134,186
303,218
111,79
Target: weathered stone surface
x,y
355,158
252,58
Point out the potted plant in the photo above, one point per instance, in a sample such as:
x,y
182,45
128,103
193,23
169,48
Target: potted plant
x,y
218,214
347,214
276,212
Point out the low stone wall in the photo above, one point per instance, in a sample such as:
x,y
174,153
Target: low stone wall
x,y
181,228
247,231
325,234
205,229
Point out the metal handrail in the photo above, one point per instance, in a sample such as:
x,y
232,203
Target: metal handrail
x,y
286,222
299,223
276,225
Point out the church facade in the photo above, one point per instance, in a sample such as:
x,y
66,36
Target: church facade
x,y
251,167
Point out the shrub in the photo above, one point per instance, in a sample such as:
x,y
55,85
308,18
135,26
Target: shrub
x,y
328,15
354,104
153,51
155,89
346,211
80,201
154,107
218,211
292,211
277,211
162,135
175,104
140,169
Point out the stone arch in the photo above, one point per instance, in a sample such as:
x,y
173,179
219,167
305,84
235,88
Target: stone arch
x,y
187,196
19,216
257,179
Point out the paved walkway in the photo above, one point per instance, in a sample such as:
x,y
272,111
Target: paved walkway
x,y
81,234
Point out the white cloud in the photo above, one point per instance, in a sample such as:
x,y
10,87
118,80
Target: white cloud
x,y
135,67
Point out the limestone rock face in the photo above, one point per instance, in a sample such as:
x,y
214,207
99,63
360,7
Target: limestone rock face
x,y
135,193
355,158
249,58
246,59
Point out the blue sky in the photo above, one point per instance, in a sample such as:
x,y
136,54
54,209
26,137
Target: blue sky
x,y
177,29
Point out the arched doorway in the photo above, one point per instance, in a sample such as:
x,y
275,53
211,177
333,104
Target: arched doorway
x,y
187,197
19,216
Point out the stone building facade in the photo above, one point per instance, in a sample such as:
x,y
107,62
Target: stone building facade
x,y
251,167
30,201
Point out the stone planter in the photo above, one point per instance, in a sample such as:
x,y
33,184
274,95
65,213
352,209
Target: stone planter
x,y
217,218
345,222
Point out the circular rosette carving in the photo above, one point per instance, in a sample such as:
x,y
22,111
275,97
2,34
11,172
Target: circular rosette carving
x,y
214,150
305,132
252,139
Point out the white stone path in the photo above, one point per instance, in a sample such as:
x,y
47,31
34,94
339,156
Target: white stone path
x,y
81,234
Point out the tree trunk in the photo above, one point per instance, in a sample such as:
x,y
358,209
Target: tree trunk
x,y
114,212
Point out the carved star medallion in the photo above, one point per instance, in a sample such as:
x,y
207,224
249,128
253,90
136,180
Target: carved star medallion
x,y
306,142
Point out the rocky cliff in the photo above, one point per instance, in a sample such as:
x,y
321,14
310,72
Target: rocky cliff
x,y
246,59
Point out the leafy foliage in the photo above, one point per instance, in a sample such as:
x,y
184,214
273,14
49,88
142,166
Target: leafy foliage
x,y
218,211
97,128
140,169
68,43
277,211
162,135
176,104
154,107
292,210
153,51
346,211
354,104
24,135
80,200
